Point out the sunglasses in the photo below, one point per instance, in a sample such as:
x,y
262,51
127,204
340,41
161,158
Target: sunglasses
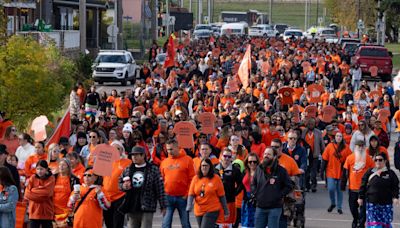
x,y
92,137
275,147
87,175
204,165
227,156
252,162
378,159
292,138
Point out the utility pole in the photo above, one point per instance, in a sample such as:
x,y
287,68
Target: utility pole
x,y
306,15
167,32
209,11
359,17
154,24
82,24
200,11
270,12
119,13
142,27
316,20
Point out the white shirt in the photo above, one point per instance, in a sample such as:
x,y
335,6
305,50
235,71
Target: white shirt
x,y
22,153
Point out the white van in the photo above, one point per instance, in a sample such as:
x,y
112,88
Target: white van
x,y
238,29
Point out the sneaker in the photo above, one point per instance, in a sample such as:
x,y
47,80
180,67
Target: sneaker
x,y
330,209
340,211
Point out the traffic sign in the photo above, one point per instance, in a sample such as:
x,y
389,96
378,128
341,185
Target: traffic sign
x,y
112,30
360,24
172,20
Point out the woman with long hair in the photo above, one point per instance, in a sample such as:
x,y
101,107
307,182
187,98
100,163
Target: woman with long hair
x,y
91,201
333,159
24,150
10,139
238,150
53,157
248,209
39,192
376,148
64,185
8,198
207,192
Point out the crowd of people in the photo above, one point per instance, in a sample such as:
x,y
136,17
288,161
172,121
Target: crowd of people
x,y
191,137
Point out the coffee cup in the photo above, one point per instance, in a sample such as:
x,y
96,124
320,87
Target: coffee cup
x,y
77,187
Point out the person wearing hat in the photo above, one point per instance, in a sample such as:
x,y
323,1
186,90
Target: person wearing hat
x,y
112,217
64,186
13,169
355,166
144,186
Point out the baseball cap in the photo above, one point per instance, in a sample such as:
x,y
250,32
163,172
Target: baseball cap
x,y
137,150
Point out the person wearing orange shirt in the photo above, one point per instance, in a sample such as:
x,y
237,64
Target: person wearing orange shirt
x,y
4,124
87,151
333,158
10,140
177,171
30,164
375,148
64,185
39,192
90,209
355,166
257,146
76,165
122,107
112,217
285,160
53,157
208,194
205,152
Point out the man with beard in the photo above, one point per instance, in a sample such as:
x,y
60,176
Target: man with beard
x,y
355,166
271,182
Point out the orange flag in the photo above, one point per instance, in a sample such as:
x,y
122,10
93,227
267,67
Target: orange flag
x,y
63,129
244,68
170,59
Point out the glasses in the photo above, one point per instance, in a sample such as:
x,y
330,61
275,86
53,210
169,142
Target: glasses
x,y
87,175
378,159
92,136
227,156
252,162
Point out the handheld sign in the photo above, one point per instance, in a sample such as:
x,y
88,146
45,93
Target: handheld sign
x,y
39,128
207,120
184,131
104,156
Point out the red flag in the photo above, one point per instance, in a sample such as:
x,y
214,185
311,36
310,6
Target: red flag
x,y
63,129
170,58
244,68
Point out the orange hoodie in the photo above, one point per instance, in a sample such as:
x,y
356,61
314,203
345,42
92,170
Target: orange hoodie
x,y
177,173
40,192
111,183
30,164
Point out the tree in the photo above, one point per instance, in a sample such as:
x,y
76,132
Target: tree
x,y
34,79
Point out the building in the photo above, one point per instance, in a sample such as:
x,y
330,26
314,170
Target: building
x,y
131,10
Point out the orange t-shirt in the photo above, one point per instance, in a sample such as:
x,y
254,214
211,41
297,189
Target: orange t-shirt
x,y
289,164
197,162
328,113
287,95
62,191
207,120
396,117
184,131
314,93
334,166
78,171
310,140
122,107
30,164
110,184
258,149
212,188
356,176
89,212
311,111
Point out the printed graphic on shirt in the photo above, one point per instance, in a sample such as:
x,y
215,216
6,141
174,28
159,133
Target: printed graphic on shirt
x,y
138,179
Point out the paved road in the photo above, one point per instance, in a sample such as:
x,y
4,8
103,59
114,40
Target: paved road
x,y
316,203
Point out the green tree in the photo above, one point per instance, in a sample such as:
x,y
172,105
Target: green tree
x,y
34,79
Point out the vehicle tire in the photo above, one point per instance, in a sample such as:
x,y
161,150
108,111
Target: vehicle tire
x,y
125,80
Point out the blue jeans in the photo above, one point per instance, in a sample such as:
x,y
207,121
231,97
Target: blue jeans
x,y
176,202
268,217
334,188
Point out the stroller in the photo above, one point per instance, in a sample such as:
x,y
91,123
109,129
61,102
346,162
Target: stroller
x,y
294,207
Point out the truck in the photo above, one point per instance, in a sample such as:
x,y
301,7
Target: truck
x,y
251,17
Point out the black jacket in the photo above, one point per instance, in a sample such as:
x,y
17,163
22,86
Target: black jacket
x,y
269,189
14,174
380,189
397,155
232,180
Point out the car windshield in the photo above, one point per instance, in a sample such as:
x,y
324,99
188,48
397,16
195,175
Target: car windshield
x,y
255,28
295,33
351,47
281,27
374,52
328,32
110,59
203,27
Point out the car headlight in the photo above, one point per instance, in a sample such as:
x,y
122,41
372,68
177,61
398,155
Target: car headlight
x,y
119,68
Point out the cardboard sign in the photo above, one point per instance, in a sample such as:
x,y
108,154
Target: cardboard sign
x,y
207,120
232,86
286,93
374,71
311,111
314,93
39,128
328,113
184,131
104,156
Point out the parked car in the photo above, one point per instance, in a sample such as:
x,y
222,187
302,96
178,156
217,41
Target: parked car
x,y
327,34
203,27
293,32
263,30
202,33
348,40
368,56
349,50
238,29
114,66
